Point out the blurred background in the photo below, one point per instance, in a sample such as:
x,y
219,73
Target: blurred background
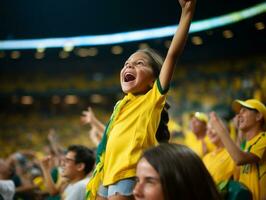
x,y
44,89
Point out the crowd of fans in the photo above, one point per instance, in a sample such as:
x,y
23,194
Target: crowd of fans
x,y
196,87
225,149
207,157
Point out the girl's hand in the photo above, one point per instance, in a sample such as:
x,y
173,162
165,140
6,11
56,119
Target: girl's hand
x,y
187,4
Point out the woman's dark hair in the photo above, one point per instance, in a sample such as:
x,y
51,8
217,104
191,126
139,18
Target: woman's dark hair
x,y
182,173
156,62
162,133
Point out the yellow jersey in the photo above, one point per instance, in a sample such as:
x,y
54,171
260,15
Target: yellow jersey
x,y
220,165
253,175
132,132
197,145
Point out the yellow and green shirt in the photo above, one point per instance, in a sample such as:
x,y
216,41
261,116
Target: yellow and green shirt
x,y
220,165
254,175
132,132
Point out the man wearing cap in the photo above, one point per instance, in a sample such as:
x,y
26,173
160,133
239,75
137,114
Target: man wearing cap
x,y
252,159
196,139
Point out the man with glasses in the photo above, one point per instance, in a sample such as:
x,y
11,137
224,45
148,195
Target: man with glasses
x,y
76,166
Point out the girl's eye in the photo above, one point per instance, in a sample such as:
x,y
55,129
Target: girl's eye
x,y
150,181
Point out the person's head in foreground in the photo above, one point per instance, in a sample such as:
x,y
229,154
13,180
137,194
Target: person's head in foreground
x,y
173,171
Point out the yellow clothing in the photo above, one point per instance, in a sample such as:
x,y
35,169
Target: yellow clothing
x,y
133,131
220,165
39,182
254,175
197,145
232,130
175,132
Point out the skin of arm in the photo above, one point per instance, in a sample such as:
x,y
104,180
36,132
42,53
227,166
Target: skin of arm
x,y
89,117
178,42
26,188
53,143
49,183
239,134
94,136
240,157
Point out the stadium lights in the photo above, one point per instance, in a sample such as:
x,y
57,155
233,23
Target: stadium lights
x,y
133,36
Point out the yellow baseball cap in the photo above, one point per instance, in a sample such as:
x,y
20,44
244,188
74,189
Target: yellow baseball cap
x,y
201,116
250,103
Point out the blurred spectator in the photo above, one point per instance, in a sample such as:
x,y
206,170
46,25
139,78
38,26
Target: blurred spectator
x,y
24,171
252,122
7,186
97,127
218,162
196,139
76,166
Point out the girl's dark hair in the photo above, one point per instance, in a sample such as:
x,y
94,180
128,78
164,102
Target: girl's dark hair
x,y
162,133
182,173
156,60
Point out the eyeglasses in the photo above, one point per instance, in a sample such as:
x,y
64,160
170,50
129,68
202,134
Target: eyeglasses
x,y
68,160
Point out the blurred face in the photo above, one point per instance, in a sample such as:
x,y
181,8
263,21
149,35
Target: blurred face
x,y
148,184
69,166
197,126
214,138
137,75
247,118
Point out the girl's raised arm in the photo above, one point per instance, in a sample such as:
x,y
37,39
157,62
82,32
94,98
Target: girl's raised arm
x,y
178,42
